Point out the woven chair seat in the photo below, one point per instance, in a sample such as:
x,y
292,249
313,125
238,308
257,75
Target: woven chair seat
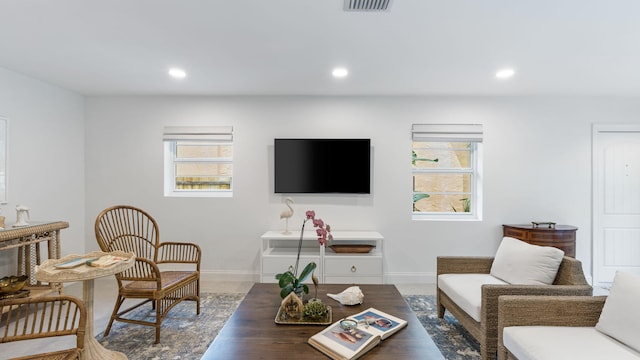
x,y
167,280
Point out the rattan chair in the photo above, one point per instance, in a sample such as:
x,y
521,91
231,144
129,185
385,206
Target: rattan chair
x,y
43,317
569,280
131,229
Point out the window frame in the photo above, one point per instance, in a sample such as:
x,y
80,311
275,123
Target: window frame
x,y
428,133
206,136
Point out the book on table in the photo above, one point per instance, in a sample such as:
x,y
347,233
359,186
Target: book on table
x,y
355,335
102,261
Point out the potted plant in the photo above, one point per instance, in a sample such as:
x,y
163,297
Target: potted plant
x,y
289,281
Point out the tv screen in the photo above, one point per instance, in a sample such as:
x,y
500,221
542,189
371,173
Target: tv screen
x,y
322,166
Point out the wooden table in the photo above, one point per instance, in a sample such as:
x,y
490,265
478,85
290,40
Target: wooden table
x,y
251,332
93,350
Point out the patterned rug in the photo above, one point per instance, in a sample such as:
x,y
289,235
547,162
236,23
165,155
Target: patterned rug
x,y
186,336
454,342
183,335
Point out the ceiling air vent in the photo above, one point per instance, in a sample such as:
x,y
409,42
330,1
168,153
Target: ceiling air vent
x,y
367,5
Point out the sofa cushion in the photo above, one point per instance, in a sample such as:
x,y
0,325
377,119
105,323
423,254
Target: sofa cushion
x,y
517,262
563,342
466,290
620,317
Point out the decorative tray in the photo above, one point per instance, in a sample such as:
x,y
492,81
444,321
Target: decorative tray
x,y
15,295
304,321
351,248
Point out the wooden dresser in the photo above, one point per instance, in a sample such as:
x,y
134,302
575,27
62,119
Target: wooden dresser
x,y
562,237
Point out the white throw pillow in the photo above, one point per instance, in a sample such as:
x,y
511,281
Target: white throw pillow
x,y
620,317
518,262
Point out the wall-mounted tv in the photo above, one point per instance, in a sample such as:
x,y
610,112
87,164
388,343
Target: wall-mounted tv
x,y
322,166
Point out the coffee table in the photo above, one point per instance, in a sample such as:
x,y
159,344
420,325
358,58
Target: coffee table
x,y
251,332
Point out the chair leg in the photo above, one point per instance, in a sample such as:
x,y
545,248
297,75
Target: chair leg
x,y
440,307
116,307
487,351
198,297
158,319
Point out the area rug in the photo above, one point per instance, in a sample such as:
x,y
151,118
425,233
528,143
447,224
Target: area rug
x,y
186,336
453,341
183,335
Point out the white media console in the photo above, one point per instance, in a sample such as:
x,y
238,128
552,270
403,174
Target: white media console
x,y
278,254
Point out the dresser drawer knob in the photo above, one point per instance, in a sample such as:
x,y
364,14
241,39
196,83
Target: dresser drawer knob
x,y
353,268
290,268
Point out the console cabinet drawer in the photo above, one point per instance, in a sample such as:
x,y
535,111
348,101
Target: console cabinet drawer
x,y
562,237
272,265
352,266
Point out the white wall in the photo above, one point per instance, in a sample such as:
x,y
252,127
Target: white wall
x,y
45,158
537,167
537,161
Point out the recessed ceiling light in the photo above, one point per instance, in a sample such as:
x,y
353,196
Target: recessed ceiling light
x,y
505,73
340,72
177,73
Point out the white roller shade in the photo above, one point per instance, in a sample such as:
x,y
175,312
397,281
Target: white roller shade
x,y
198,133
447,132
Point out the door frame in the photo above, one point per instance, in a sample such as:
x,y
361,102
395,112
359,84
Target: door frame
x,y
596,191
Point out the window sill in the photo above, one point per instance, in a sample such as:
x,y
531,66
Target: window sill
x,y
225,194
422,217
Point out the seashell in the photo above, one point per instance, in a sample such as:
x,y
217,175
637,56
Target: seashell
x,y
350,296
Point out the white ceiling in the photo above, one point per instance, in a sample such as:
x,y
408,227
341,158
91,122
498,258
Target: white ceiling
x,y
283,47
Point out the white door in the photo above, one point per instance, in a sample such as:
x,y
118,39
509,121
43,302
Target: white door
x,y
616,201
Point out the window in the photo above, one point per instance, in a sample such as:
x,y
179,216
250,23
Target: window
x,y
446,168
198,161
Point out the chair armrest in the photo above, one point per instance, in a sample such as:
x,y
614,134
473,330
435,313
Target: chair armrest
x,y
142,270
179,252
549,310
463,264
570,273
491,293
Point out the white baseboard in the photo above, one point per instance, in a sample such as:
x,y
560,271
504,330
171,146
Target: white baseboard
x,y
410,278
389,278
229,275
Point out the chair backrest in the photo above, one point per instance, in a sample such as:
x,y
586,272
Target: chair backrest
x,y
34,318
128,229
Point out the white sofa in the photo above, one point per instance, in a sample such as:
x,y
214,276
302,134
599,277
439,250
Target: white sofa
x,y
576,327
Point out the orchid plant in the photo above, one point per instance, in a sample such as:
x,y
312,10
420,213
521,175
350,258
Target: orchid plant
x,y
289,281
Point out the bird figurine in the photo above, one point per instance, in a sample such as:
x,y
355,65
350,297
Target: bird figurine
x,y
350,296
314,278
286,214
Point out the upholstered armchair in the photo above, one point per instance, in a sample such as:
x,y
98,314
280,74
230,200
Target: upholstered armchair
x,y
570,311
130,229
473,299
44,317
572,327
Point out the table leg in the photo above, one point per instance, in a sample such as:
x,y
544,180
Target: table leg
x,y
93,350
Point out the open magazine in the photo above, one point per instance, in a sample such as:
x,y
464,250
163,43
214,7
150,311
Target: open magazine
x,y
352,337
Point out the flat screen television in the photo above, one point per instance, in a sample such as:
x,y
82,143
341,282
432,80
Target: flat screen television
x,y
322,166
